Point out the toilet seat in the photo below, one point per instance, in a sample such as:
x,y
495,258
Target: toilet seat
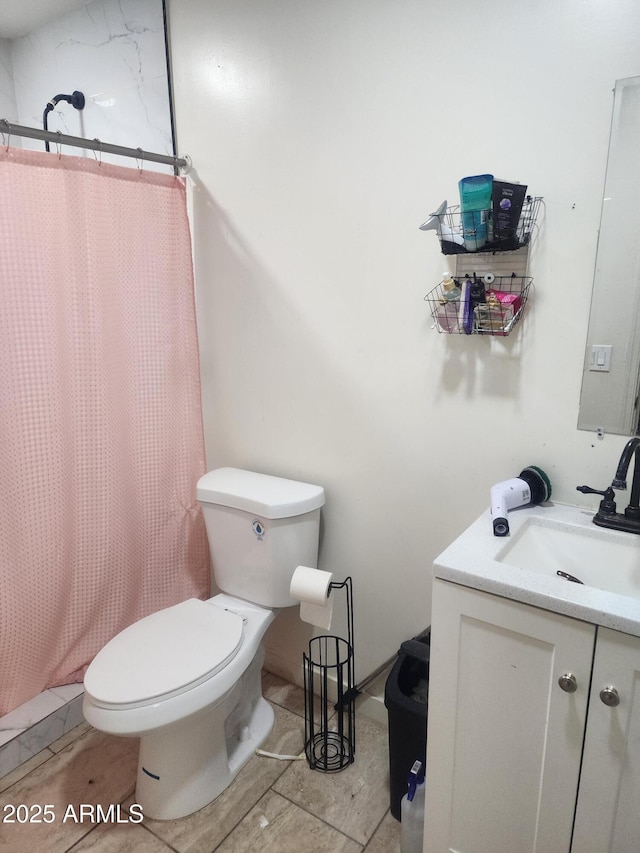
x,y
164,654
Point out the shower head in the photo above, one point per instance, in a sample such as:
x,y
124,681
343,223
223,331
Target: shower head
x,y
76,99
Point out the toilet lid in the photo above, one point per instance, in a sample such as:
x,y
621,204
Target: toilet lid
x,y
165,653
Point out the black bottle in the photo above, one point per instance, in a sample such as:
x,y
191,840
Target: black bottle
x,y
477,291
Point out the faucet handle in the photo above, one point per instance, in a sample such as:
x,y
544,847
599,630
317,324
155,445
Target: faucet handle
x,y
607,504
589,490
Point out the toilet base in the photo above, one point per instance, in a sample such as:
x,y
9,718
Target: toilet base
x,y
185,766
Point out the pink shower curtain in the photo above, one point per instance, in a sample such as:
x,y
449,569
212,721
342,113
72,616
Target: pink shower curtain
x,y
101,437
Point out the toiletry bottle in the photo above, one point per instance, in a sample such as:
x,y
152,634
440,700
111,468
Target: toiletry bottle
x,y
412,812
475,207
478,293
447,317
465,312
450,287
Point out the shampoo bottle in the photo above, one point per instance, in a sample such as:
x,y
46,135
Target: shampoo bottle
x,y
475,206
412,812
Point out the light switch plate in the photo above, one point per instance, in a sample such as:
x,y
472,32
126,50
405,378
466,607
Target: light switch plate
x,y
600,359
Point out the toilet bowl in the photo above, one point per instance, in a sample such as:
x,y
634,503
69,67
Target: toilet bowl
x,y
187,680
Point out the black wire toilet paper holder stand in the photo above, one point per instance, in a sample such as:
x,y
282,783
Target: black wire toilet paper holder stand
x,y
330,739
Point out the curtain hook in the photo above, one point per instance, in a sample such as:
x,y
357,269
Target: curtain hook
x,y
141,161
99,144
59,144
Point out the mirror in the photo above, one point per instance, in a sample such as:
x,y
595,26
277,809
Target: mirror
x,y
611,377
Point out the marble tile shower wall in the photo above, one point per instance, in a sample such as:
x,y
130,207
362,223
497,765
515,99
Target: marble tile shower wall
x,y
8,107
114,52
27,730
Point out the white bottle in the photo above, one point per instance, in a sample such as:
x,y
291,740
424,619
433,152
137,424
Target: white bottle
x,y
412,812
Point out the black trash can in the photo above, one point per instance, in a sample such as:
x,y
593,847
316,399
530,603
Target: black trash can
x,y
406,700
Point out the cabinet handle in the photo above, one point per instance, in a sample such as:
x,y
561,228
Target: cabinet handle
x,y
568,683
610,696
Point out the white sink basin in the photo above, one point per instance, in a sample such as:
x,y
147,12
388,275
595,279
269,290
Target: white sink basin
x,y
543,540
602,559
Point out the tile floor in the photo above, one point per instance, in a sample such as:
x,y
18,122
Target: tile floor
x,y
272,806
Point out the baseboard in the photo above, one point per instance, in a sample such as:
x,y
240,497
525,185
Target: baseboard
x,y
370,703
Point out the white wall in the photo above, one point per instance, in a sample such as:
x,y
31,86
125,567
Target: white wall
x,y
323,134
114,52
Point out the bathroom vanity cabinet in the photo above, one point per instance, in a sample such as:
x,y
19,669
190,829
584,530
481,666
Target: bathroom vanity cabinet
x,y
534,730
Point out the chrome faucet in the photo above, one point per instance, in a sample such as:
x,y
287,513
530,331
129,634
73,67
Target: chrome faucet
x,y
607,515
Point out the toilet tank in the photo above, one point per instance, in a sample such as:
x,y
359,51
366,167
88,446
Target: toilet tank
x,y
260,528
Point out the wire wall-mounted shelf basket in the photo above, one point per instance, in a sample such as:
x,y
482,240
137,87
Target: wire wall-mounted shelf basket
x,y
456,240
480,309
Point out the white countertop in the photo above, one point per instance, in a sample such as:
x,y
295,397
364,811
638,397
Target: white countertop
x,y
474,560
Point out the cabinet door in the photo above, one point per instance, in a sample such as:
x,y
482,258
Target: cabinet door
x,y
504,740
608,813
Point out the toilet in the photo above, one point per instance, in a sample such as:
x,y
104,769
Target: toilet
x,y
187,679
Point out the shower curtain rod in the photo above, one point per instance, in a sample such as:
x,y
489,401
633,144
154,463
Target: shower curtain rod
x,y
93,144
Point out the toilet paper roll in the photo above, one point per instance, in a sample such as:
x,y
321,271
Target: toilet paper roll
x,y
311,587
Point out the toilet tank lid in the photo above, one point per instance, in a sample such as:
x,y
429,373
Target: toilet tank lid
x,y
270,497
